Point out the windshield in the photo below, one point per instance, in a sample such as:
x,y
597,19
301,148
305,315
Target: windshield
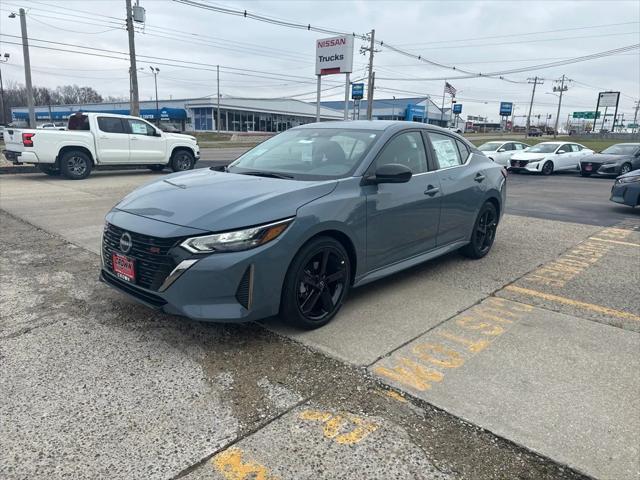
x,y
543,148
620,149
309,153
489,146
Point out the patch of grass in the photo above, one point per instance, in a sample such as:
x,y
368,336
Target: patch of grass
x,y
211,136
595,145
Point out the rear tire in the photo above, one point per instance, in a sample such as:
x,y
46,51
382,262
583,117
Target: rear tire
x,y
484,232
49,169
156,168
316,284
182,160
75,165
547,168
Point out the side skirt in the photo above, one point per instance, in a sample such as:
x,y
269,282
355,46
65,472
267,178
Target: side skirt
x,y
410,262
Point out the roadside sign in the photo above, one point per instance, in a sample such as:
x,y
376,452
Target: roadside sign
x,y
357,91
457,108
587,115
506,109
608,99
632,125
334,55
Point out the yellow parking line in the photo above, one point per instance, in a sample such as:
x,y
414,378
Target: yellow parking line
x,y
615,241
574,303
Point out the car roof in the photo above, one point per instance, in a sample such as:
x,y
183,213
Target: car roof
x,y
628,143
374,125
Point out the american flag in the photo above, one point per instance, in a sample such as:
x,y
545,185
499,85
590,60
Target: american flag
x,y
449,89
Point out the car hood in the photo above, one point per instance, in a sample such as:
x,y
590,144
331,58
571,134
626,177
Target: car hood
x,y
632,173
180,136
217,201
604,158
528,156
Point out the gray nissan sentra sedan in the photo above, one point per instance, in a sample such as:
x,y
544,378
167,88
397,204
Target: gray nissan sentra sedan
x,y
294,223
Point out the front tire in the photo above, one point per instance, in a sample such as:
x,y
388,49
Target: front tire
x,y
49,169
484,232
182,160
547,168
75,165
625,168
316,284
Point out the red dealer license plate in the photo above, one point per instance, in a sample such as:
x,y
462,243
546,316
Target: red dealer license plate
x,y
124,267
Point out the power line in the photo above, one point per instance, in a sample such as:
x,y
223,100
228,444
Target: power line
x,y
510,35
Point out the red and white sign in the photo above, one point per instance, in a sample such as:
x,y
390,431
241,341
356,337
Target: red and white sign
x,y
334,55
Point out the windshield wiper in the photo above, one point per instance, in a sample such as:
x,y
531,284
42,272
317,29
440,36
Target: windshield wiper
x,y
258,173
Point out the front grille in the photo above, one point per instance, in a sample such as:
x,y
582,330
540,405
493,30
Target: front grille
x,y
146,297
519,163
152,260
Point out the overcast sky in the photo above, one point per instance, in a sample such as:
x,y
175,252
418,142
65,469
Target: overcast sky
x,y
474,35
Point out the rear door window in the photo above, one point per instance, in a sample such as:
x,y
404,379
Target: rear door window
x,y
111,125
446,150
575,148
138,127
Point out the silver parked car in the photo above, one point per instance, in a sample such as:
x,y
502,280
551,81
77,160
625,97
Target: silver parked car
x,y
501,151
297,221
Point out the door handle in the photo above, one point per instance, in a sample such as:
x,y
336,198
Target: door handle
x,y
103,137
479,178
134,138
431,190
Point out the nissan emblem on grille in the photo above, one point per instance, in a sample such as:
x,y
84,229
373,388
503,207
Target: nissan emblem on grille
x,y
125,242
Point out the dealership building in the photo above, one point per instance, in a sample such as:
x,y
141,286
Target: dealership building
x,y
247,114
200,114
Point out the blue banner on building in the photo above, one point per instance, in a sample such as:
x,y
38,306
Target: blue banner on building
x,y
415,111
165,113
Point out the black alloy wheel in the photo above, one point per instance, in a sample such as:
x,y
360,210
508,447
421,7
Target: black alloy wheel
x,y
484,232
317,283
75,165
182,160
547,168
625,168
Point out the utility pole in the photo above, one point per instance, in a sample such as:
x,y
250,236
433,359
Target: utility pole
x,y
536,81
27,69
4,59
218,112
371,80
134,109
155,71
562,88
635,115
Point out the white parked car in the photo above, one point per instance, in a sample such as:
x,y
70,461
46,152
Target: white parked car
x,y
501,151
95,139
549,157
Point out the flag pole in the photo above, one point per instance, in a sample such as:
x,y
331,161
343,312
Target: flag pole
x,y
444,90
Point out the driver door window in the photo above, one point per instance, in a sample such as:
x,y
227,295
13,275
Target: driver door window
x,y
405,149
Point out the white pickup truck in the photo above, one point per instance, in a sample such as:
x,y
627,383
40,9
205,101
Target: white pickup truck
x,y
100,139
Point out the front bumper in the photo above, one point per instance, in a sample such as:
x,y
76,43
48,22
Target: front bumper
x,y
220,287
626,193
600,169
525,166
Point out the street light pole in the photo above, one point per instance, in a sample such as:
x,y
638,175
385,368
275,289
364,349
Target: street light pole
x,y
4,59
155,71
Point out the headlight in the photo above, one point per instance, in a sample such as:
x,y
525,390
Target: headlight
x,y
237,240
635,178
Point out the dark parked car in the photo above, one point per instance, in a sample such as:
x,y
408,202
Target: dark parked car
x,y
294,223
618,159
534,132
626,189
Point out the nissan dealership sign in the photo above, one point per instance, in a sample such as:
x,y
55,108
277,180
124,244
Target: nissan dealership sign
x,y
334,55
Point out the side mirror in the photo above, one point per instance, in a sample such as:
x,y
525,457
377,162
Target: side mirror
x,y
391,173
560,152
500,150
158,133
